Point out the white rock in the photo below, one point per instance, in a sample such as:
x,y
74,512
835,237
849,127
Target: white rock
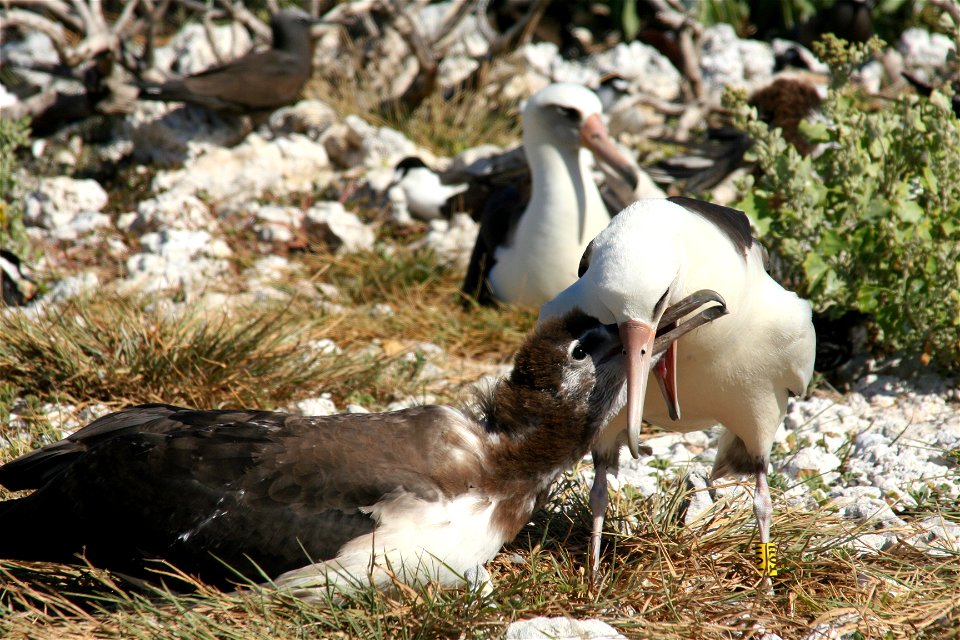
x,y
169,210
176,258
308,117
322,406
327,290
466,42
325,346
812,461
639,474
33,49
82,224
648,71
924,51
269,269
874,511
727,60
871,76
58,200
544,59
940,535
275,223
183,245
543,628
451,240
700,500
7,99
168,135
150,273
758,61
381,310
191,51
72,287
282,166
363,143
330,223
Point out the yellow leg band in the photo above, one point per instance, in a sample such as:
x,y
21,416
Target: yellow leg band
x,y
767,558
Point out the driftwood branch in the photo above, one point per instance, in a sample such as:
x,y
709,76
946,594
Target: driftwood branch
x,y
31,21
499,44
673,15
83,16
520,32
459,9
952,7
57,8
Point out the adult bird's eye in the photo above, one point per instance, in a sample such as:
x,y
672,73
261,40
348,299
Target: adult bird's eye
x,y
578,352
569,113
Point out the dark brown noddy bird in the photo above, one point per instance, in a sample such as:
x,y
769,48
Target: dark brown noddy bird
x,y
255,83
423,493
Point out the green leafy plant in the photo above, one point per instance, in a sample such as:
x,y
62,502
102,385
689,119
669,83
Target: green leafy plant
x,y
873,222
13,135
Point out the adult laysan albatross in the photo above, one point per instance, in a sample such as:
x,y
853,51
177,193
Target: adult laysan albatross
x,y
737,371
421,494
526,256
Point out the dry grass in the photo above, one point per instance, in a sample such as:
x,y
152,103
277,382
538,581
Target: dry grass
x,y
445,125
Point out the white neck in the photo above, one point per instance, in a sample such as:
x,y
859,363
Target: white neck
x,y
565,212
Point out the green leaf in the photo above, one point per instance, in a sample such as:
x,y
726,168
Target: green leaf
x,y
940,101
629,20
831,243
814,131
815,268
930,180
910,211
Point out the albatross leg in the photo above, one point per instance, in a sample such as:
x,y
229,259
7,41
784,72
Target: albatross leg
x,y
599,500
763,511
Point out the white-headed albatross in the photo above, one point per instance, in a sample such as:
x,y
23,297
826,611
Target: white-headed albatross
x,y
527,255
737,371
426,493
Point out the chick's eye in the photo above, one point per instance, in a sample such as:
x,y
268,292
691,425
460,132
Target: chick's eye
x,y
578,352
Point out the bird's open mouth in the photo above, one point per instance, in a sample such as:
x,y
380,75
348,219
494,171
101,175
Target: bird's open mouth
x,y
669,331
654,349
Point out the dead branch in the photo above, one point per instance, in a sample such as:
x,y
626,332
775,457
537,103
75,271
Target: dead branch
x,y
952,7
520,32
30,21
237,11
98,36
673,15
428,65
232,10
455,14
499,44
57,8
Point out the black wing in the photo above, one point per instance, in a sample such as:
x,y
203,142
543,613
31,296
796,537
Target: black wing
x,y
204,488
733,223
500,218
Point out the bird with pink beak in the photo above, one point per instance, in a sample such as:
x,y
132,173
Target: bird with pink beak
x,y
525,255
646,272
